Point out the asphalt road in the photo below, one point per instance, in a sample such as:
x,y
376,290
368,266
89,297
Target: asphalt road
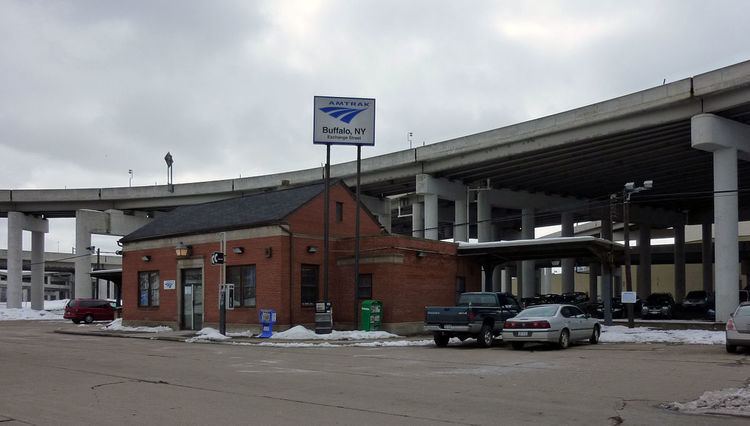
x,y
56,379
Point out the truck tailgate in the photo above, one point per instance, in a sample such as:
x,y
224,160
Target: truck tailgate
x,y
446,315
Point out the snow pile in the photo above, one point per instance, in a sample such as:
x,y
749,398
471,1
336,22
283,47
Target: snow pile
x,y
622,334
11,314
390,344
116,325
208,334
53,310
301,333
732,401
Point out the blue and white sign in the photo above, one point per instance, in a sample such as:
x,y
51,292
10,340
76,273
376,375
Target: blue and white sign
x,y
169,284
628,297
343,121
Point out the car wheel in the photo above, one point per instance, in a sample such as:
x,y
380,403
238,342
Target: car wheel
x,y
517,345
594,339
76,321
441,340
88,319
564,340
731,348
485,336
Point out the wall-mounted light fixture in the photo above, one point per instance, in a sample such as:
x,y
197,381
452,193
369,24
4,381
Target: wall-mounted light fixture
x,y
555,262
269,251
421,254
312,249
146,258
238,250
182,250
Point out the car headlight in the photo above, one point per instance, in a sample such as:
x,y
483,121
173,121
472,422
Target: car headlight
x,y
665,308
644,309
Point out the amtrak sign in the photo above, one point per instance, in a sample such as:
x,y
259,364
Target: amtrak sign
x,y
343,121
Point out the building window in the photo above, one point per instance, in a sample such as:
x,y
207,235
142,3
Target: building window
x,y
309,291
339,212
148,288
364,289
460,287
243,278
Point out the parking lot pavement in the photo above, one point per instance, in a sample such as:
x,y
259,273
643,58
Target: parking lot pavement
x,y
51,378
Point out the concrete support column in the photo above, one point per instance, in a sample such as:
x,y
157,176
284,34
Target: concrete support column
x,y
707,256
594,269
607,292
417,220
487,269
461,221
15,259
729,141
430,216
506,280
679,262
528,266
82,263
644,265
484,217
546,281
617,278
497,278
727,231
569,264
37,270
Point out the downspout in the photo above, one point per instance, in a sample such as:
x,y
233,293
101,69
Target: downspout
x,y
286,229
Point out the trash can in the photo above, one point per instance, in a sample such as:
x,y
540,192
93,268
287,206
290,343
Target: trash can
x,y
371,315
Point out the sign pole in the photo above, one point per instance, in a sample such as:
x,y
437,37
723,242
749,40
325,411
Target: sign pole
x,y
626,236
222,288
326,214
356,240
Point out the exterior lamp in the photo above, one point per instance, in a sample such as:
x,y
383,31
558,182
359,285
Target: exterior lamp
x,y
421,254
238,250
146,258
182,250
312,249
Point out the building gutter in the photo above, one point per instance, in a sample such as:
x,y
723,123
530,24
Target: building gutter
x,y
289,232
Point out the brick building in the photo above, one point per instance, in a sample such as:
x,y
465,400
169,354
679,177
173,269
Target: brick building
x,y
274,256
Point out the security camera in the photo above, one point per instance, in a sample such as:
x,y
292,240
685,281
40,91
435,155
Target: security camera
x,y
648,184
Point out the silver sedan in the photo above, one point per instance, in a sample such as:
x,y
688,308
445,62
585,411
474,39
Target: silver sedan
x,y
557,324
738,328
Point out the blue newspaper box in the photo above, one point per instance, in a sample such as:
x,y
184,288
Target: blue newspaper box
x,y
267,318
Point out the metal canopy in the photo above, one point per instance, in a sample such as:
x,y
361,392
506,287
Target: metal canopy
x,y
583,249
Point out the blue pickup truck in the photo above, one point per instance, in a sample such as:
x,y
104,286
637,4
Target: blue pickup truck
x,y
479,315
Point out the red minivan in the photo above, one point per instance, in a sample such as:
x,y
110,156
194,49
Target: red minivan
x,y
89,310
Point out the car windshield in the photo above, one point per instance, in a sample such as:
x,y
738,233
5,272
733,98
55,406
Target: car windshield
x,y
743,311
538,311
696,295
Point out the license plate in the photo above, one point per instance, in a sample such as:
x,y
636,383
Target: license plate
x,y
522,333
447,326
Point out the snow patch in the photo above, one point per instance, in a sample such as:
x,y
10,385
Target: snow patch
x,y
116,325
53,310
623,334
208,334
732,401
301,333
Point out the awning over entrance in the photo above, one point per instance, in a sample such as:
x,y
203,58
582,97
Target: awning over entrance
x,y
114,276
584,249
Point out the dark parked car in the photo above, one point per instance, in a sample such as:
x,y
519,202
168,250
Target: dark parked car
x,y
531,301
711,311
659,305
697,303
551,298
618,309
575,298
90,310
478,315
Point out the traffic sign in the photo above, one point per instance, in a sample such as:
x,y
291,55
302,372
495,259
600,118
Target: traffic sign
x,y
217,258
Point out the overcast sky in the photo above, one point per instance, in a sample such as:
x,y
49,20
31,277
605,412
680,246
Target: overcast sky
x,y
91,89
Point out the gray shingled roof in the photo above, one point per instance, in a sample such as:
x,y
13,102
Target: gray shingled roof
x,y
234,213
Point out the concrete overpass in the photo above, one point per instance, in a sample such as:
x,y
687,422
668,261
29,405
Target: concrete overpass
x,y
686,136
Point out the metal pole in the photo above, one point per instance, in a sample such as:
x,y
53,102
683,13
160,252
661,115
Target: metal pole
x,y
356,241
326,213
222,279
626,236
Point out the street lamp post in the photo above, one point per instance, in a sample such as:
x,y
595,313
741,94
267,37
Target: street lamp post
x,y
170,183
629,190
